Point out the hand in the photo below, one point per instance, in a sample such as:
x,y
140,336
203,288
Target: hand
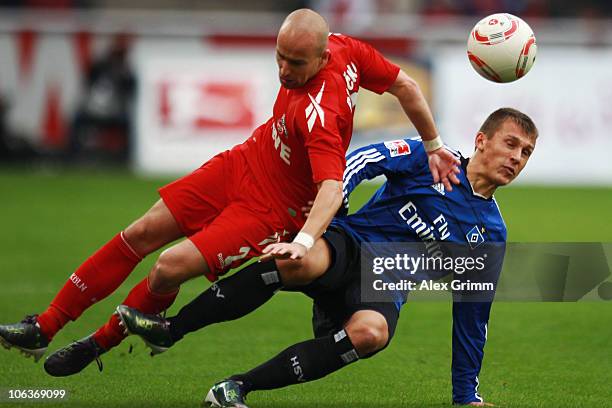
x,y
283,250
444,167
481,404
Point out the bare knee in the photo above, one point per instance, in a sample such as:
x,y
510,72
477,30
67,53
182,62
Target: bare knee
x,y
164,274
175,266
138,236
368,336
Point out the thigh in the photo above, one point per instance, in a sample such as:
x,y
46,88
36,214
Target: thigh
x,y
344,264
327,317
295,273
154,229
234,236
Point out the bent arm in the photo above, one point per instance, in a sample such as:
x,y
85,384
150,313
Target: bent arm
x,y
326,204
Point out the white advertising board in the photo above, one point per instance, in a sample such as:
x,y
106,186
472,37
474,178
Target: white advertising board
x,y
195,102
568,93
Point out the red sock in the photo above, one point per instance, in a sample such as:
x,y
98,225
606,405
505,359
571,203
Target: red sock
x,y
94,280
141,298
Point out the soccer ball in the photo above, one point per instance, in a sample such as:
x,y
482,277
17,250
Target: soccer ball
x,y
501,48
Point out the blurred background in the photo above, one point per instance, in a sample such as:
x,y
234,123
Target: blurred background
x,y
161,86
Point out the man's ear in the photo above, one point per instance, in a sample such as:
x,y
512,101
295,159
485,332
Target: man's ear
x,y
480,141
325,56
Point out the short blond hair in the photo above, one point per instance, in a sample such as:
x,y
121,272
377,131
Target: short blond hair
x,y
497,118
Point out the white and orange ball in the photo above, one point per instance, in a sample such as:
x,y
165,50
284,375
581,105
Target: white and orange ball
x,y
502,47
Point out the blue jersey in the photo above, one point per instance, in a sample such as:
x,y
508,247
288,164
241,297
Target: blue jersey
x,y
409,207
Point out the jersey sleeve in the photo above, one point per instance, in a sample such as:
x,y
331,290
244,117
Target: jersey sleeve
x,y
320,119
470,328
392,158
377,72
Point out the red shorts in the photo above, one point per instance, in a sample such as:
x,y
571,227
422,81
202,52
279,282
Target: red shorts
x,y
221,209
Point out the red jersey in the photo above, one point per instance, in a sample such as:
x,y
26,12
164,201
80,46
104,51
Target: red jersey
x,y
306,139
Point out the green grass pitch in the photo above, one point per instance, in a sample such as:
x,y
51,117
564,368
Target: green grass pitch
x,y
538,354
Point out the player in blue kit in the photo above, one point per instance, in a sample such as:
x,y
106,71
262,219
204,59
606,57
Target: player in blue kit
x,y
409,207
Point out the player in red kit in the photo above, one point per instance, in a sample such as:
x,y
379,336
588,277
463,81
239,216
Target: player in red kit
x,y
243,199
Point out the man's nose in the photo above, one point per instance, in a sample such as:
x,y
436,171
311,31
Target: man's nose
x,y
516,155
283,68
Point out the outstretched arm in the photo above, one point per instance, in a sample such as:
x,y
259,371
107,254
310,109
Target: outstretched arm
x,y
470,321
442,163
471,311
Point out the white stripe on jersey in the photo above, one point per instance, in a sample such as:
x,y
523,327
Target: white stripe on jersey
x,y
360,167
358,156
500,213
359,160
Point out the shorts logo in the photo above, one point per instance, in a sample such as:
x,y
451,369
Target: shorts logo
x,y
224,263
474,237
398,148
274,238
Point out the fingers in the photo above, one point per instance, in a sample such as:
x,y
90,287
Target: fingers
x,y
454,178
447,184
449,174
280,251
435,174
450,158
